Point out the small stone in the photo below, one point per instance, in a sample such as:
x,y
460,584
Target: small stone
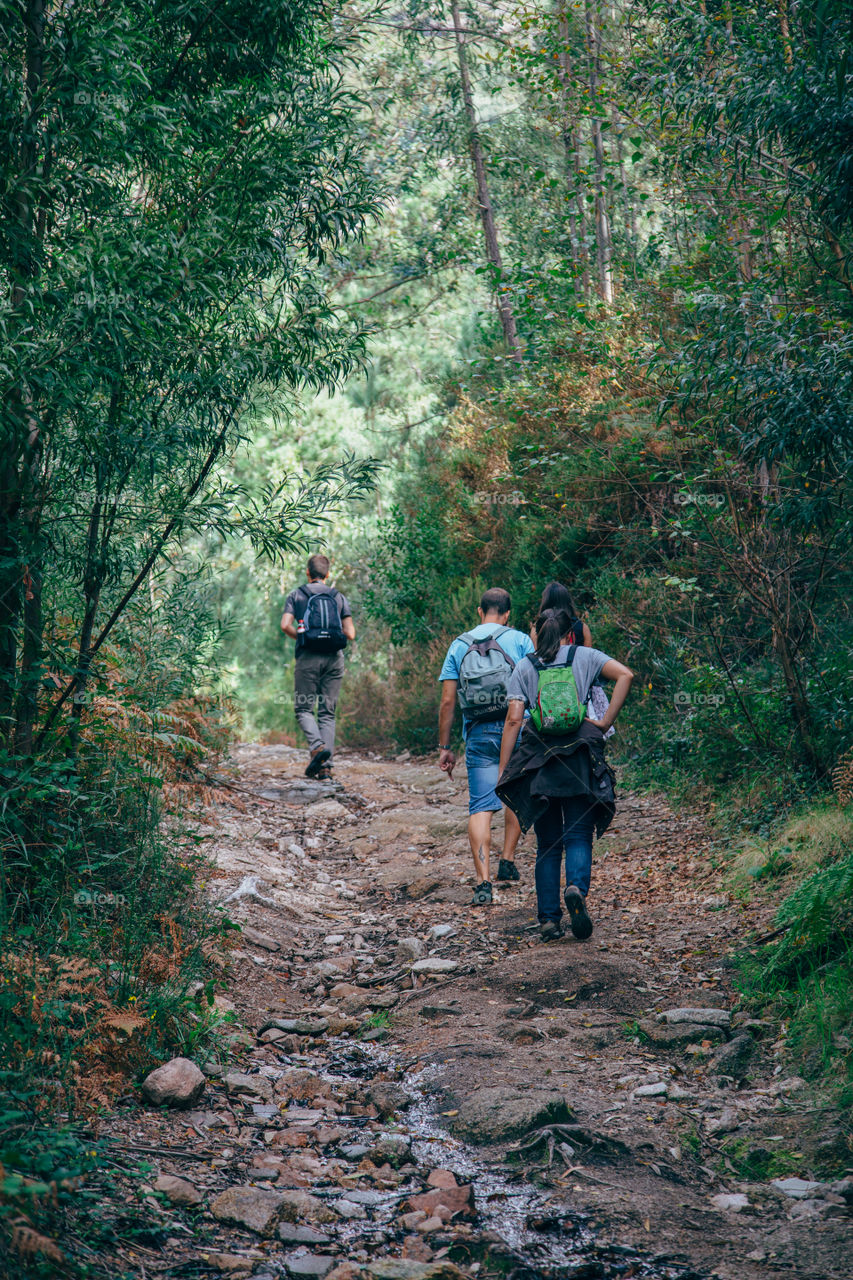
x,y
675,1093
393,1147
408,950
345,1271
270,1036
255,1208
664,1036
726,1122
355,1151
657,1090
349,1209
432,1012
408,1269
796,1188
439,931
455,1199
308,1265
240,1085
230,1264
442,1178
334,939
177,1190
431,1224
698,1017
733,1058
791,1085
299,1204
290,1233
258,939
809,1210
178,1083
365,1197
327,811
497,1113
434,965
388,1098
412,1220
732,1203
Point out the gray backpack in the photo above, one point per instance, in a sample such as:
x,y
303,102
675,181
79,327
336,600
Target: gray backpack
x,y
484,674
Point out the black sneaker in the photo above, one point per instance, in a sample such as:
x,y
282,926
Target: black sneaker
x,y
507,870
579,916
550,931
318,759
482,895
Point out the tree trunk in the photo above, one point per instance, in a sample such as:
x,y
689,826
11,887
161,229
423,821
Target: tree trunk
x,y
571,148
603,242
484,202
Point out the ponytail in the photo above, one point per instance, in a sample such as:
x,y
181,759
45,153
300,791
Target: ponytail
x,y
551,626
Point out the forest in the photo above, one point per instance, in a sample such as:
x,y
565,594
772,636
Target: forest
x,y
475,294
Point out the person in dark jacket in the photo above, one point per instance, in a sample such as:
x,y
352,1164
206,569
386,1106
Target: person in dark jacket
x,y
556,596
560,783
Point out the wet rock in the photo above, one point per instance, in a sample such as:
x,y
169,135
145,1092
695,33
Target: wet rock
x,y
177,1190
178,1083
734,1202
250,1088
495,1114
388,1098
306,1266
726,1122
254,1208
434,965
796,1188
408,950
290,1233
732,1059
456,1199
696,1017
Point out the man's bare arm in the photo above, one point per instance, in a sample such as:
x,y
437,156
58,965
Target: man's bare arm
x,y
348,627
446,712
288,625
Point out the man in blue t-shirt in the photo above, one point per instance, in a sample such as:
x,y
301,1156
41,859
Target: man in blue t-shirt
x,y
482,737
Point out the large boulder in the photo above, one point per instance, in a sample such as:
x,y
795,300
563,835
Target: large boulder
x,y
497,1114
178,1083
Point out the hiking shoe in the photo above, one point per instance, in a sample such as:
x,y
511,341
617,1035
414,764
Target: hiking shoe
x,y
507,870
324,774
482,895
578,914
550,931
318,759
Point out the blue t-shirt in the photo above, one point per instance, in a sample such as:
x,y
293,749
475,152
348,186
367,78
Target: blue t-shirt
x,y
515,644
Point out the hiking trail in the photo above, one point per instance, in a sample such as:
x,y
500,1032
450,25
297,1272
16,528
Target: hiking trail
x,y
424,1087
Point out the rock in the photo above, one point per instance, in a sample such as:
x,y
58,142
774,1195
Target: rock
x,y
657,1090
299,1204
327,811
676,1094
258,939
239,1085
844,1189
495,1114
393,1147
422,887
733,1058
791,1085
698,1017
429,1225
388,1098
178,1083
308,1265
664,1036
349,1209
442,1178
412,1220
355,1151
230,1264
796,1188
177,1190
434,965
439,931
459,1200
327,969
408,1269
810,1210
314,1027
732,1203
255,1208
408,950
726,1122
289,1233
345,1271
432,1012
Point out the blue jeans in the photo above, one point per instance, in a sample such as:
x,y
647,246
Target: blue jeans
x,y
482,753
565,826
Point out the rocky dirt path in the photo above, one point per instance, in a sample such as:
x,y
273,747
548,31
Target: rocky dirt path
x,y
422,1091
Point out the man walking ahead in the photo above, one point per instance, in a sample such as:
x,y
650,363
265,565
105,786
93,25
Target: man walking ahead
x,y
320,620
476,671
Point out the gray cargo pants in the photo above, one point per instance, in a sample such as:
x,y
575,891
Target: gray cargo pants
x,y
317,683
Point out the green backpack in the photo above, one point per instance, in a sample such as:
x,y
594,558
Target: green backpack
x,y
558,708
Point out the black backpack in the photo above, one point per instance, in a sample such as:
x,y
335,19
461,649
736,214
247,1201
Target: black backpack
x,y
320,629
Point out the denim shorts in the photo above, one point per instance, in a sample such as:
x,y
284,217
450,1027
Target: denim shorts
x,y
482,753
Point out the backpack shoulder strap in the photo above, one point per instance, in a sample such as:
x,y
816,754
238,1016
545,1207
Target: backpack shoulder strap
x,y
570,656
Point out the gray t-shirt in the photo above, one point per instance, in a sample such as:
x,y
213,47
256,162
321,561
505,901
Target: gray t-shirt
x,y
586,665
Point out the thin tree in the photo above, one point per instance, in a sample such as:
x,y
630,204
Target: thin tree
x,y
603,241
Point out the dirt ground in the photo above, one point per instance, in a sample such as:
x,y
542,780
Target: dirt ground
x,y
560,1074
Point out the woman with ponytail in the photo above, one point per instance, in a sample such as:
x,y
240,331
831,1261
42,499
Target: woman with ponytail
x,y
554,775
